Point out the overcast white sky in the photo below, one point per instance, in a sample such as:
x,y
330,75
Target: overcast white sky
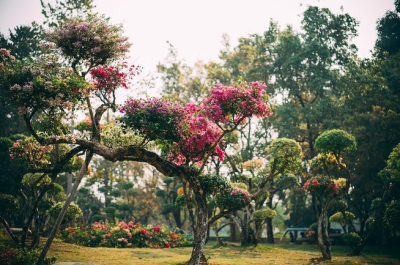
x,y
195,28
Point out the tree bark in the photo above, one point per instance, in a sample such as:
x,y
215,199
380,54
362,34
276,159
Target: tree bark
x,y
200,233
270,231
7,227
60,217
323,238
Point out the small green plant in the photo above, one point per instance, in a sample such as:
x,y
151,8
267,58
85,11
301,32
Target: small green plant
x,y
354,241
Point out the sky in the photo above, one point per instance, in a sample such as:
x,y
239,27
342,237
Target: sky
x,y
195,28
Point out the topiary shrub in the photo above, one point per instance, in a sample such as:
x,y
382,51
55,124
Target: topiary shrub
x,y
261,215
354,241
116,193
73,212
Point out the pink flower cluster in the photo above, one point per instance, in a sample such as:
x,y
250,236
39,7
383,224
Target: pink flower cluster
x,y
92,41
31,151
123,235
321,185
110,78
194,131
235,103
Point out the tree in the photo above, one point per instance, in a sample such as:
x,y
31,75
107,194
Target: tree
x,y
189,134
325,190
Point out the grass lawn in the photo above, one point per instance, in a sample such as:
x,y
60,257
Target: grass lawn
x,y
263,254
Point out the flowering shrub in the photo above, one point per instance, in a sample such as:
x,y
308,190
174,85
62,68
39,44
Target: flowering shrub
x,y
43,83
320,185
231,104
233,198
73,212
10,256
154,118
124,235
192,132
252,165
30,150
107,79
92,41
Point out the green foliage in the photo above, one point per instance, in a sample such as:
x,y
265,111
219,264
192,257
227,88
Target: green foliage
x,y
36,180
388,28
339,218
10,256
127,185
353,240
45,204
73,212
239,185
392,215
314,227
180,201
116,193
124,207
124,235
168,181
97,217
168,207
114,135
287,181
261,215
102,189
84,190
391,173
285,154
110,210
213,183
160,193
61,10
335,141
8,204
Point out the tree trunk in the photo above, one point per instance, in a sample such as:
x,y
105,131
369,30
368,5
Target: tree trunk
x,y
233,237
60,217
7,227
323,237
270,231
200,233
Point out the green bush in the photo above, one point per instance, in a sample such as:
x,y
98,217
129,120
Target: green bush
x,y
123,235
8,204
354,241
73,212
10,256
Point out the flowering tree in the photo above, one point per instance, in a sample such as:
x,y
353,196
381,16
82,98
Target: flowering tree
x,y
325,190
283,159
189,135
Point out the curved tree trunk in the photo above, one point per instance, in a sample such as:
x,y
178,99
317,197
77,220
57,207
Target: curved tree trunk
x,y
60,217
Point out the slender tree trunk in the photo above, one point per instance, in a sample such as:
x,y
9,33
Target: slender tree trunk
x,y
232,227
200,233
323,237
270,231
7,227
60,217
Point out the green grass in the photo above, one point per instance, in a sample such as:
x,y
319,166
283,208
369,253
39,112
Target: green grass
x,y
233,254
